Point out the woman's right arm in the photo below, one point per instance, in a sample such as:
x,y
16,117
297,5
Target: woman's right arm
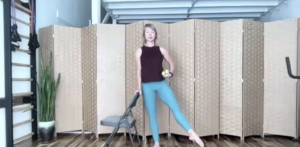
x,y
138,68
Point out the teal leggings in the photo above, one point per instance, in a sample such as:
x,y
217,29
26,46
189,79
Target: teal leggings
x,y
168,98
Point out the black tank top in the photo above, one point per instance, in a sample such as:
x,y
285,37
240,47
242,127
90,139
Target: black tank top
x,y
151,64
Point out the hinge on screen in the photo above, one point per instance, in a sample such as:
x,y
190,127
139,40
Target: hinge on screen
x,y
242,80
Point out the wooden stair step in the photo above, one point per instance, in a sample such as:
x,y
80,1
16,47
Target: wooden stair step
x,y
24,36
22,50
22,8
21,64
23,123
22,94
21,21
23,108
22,79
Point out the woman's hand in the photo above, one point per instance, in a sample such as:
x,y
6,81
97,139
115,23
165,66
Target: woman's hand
x,y
140,91
168,75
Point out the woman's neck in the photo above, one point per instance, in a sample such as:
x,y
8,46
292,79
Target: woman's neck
x,y
149,44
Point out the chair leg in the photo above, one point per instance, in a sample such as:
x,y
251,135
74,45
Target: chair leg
x,y
111,136
130,135
113,133
137,134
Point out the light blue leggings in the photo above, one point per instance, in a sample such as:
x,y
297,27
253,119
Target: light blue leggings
x,y
168,98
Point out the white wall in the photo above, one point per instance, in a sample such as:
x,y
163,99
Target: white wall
x,y
289,10
74,12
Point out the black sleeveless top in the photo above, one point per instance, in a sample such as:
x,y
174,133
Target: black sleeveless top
x,y
151,64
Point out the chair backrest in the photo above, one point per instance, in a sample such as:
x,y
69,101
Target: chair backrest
x,y
132,104
133,100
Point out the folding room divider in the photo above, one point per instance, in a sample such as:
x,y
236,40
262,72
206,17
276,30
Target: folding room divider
x,y
218,82
65,45
241,71
194,45
207,77
179,39
104,74
281,105
103,50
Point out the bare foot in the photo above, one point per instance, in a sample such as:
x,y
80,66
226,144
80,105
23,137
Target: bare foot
x,y
193,136
156,144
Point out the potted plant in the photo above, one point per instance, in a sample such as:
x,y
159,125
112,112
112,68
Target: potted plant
x,y
47,90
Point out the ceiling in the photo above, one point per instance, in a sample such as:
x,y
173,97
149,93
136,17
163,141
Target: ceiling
x,y
169,11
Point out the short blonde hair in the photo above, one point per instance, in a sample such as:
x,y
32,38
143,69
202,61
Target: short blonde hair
x,y
151,26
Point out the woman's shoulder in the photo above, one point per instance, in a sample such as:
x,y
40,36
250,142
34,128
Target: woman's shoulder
x,y
162,49
138,51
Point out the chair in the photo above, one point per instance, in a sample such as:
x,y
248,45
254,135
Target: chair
x,y
124,121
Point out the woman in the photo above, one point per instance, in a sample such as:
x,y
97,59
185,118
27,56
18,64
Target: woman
x,y
149,60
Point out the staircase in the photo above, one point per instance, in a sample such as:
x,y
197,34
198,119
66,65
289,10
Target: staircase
x,y
24,80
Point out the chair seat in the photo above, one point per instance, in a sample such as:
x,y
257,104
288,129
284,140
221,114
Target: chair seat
x,y
112,121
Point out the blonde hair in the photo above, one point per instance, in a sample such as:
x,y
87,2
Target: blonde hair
x,y
151,26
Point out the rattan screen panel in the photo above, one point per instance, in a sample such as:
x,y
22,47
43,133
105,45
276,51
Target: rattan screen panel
x,y
207,71
134,41
231,46
253,73
182,52
280,90
67,62
89,76
110,73
46,41
163,110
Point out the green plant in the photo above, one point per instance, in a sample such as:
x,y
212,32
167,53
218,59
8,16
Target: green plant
x,y
47,90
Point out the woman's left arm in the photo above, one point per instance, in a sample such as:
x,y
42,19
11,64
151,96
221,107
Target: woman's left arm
x,y
168,58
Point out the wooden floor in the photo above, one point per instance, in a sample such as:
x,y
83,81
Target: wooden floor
x,y
174,141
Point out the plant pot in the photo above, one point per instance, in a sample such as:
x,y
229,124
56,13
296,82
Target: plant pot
x,y
46,131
